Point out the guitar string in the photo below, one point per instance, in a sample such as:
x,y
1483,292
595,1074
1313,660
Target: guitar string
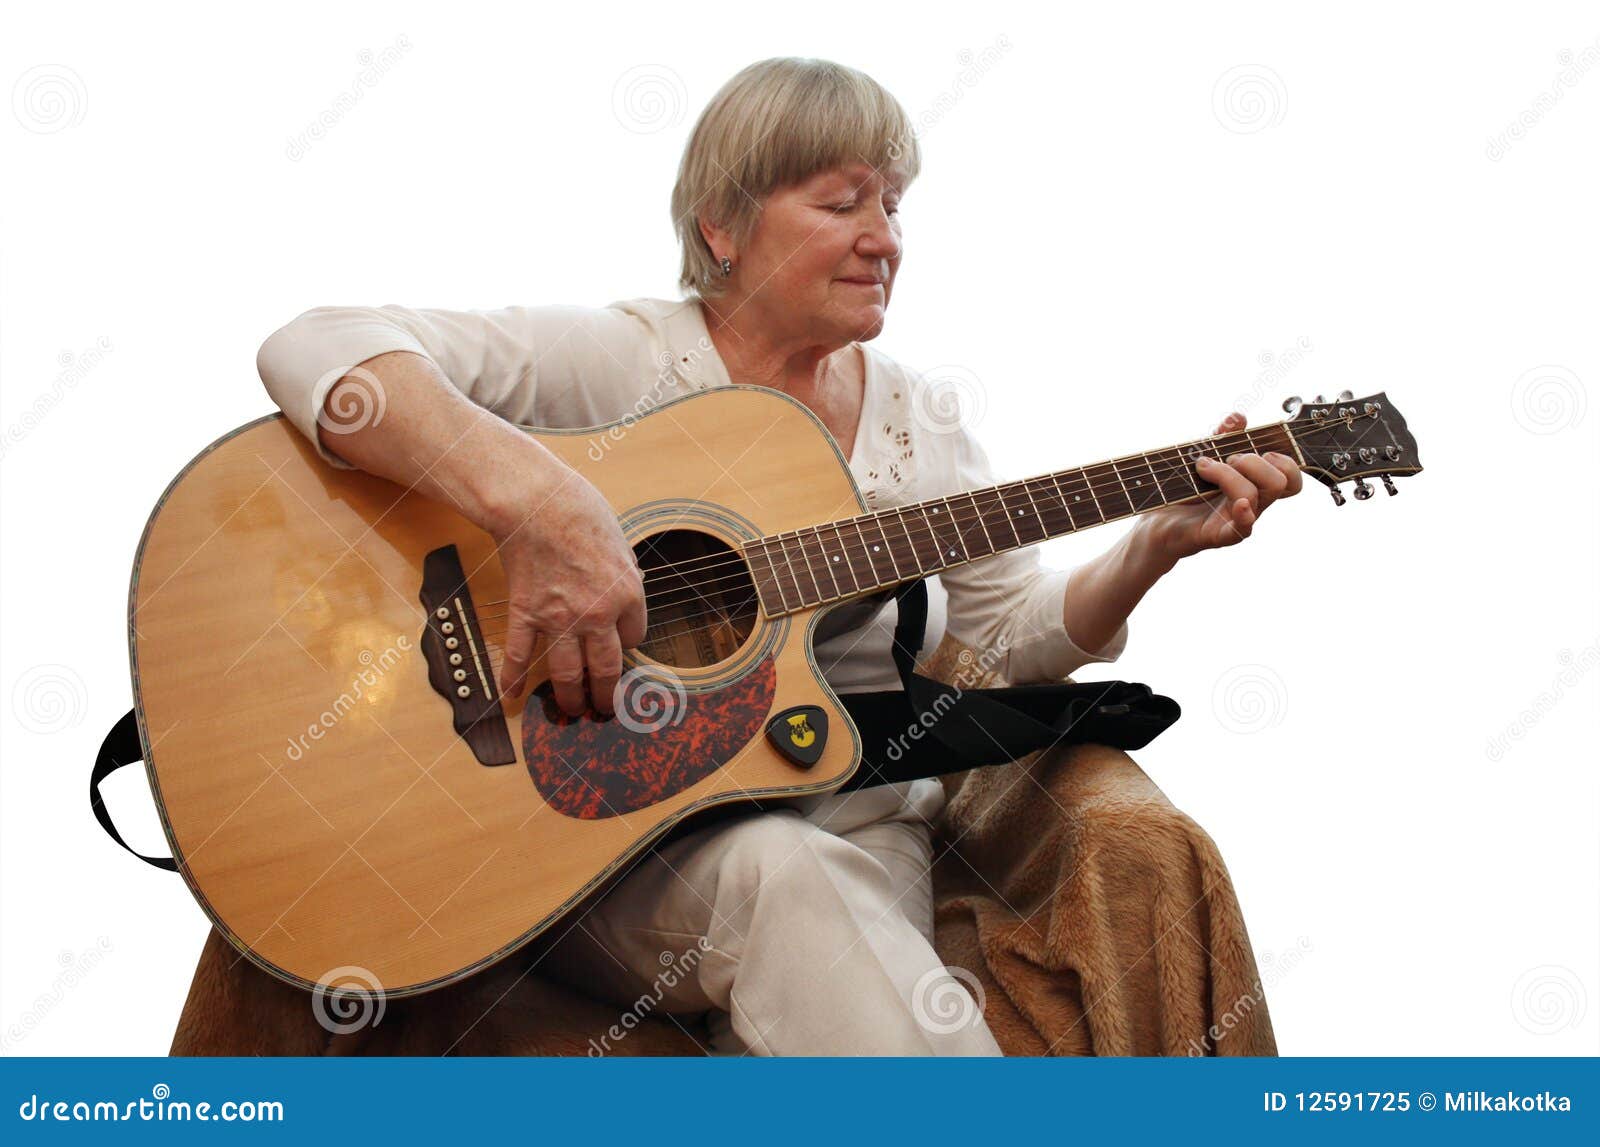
x,y
741,575
751,598
494,641
962,517
1160,472
1159,469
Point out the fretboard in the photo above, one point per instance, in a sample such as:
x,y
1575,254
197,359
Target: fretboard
x,y
857,556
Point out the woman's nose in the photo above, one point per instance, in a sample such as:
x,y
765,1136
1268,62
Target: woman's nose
x,y
878,240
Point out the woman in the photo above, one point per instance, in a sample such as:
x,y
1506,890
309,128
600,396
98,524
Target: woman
x,y
807,930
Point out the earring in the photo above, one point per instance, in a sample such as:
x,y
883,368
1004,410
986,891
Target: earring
x,y
727,266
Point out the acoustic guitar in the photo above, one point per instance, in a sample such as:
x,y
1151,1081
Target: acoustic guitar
x,y
315,654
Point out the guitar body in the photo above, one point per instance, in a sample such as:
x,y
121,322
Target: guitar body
x,y
300,731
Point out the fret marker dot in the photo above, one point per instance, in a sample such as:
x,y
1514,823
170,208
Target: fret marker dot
x,y
835,557
874,549
1077,497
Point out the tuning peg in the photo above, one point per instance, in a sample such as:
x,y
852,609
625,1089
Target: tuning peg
x,y
1291,405
1388,484
1344,396
1338,498
1318,400
1362,490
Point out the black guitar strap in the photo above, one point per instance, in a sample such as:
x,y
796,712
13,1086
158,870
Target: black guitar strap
x,y
930,728
121,747
926,729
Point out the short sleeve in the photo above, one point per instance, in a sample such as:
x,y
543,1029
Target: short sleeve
x,y
543,365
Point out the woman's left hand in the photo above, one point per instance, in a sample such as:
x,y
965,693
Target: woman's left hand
x,y
1248,484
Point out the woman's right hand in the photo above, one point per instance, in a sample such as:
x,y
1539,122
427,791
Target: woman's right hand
x,y
571,580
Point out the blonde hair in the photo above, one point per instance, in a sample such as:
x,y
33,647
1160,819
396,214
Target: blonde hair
x,y
778,123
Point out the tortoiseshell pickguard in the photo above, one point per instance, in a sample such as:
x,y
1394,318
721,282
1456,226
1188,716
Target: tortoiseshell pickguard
x,y
590,767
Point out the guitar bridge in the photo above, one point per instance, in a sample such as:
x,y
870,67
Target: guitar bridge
x,y
458,659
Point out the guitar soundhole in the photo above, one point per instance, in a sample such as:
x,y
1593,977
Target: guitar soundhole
x,y
700,597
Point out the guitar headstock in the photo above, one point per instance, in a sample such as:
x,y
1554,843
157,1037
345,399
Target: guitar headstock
x,y
1353,438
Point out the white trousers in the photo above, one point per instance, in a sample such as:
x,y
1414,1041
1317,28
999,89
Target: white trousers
x,y
800,931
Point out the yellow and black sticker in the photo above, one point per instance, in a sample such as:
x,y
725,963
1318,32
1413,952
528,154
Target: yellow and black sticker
x,y
799,734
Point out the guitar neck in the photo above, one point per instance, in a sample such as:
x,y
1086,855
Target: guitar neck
x,y
863,555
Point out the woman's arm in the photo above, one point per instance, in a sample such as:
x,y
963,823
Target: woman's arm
x,y
421,398
570,574
1102,593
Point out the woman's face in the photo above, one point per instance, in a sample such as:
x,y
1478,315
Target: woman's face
x,y
821,263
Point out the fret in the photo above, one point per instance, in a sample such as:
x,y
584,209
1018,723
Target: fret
x,y
777,582
1109,494
1053,512
811,564
799,590
988,539
1115,469
1179,472
900,516
1078,498
1095,498
888,547
845,558
997,507
1021,514
1149,489
828,567
945,534
879,552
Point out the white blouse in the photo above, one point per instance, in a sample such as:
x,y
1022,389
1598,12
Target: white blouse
x,y
566,367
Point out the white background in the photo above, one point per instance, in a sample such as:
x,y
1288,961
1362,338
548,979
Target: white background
x,y
1126,221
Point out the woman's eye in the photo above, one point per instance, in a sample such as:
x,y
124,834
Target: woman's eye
x,y
841,208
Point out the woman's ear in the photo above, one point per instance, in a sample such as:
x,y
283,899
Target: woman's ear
x,y
719,240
